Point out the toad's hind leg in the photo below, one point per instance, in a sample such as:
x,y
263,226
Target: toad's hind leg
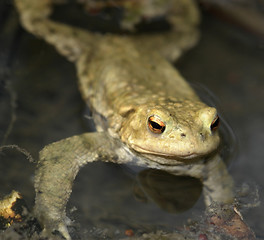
x,y
58,166
69,41
184,18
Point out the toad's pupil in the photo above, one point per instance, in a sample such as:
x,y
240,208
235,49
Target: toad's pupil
x,y
155,125
215,124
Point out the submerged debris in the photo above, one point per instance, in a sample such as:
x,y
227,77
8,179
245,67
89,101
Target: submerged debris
x,y
11,209
16,221
230,223
129,232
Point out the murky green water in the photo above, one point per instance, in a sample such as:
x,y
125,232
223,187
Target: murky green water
x,y
42,86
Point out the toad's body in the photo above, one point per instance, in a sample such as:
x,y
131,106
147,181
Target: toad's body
x,y
145,113
126,85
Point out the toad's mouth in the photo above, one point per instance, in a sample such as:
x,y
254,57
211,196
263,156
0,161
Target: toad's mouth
x,y
189,155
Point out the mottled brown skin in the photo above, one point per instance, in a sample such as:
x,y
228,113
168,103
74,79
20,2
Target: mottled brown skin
x,y
125,82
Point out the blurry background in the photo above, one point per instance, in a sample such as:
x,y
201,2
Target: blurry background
x,y
40,103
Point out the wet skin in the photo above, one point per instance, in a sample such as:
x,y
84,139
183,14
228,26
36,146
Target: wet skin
x,y
145,113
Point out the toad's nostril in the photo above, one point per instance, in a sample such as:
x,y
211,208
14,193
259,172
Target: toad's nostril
x,y
202,136
183,135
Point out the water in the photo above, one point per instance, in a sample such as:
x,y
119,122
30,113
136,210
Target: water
x,y
39,92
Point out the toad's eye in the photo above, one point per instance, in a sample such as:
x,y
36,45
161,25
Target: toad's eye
x,y
215,123
155,125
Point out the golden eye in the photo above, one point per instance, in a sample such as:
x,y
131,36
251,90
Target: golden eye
x,y
215,123
155,125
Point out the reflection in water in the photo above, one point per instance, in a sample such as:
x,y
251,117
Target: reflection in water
x,y
171,193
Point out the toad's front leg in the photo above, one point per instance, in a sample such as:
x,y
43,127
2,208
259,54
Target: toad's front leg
x,y
218,183
58,166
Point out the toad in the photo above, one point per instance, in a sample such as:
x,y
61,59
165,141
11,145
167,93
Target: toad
x,y
145,113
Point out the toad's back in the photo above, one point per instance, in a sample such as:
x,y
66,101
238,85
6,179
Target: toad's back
x,y
119,74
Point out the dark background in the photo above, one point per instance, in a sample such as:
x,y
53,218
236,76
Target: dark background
x,y
40,103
